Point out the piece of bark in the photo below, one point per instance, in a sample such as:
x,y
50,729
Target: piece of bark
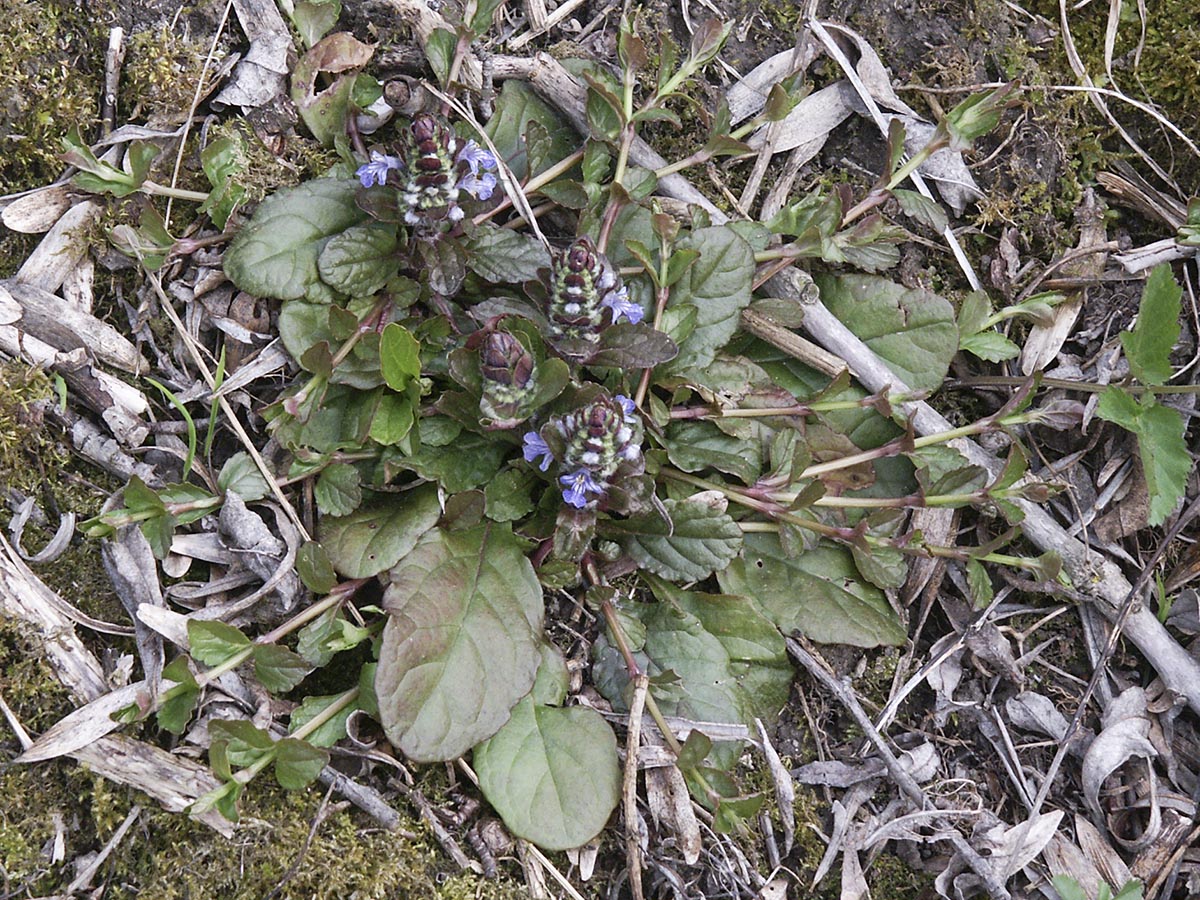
x,y
56,322
64,246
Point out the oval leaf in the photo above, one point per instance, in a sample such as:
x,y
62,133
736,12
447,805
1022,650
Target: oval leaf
x,y
818,593
552,774
718,285
378,534
461,645
275,255
704,539
361,259
912,329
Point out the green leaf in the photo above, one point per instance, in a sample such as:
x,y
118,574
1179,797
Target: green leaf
x,y
912,329
515,107
979,583
726,674
717,284
884,567
604,113
395,415
312,706
509,495
241,475
1166,462
95,176
138,496
461,645
552,774
245,744
325,111
337,491
475,460
298,763
1165,458
159,532
990,345
628,346
481,20
1068,888
212,643
380,532
326,636
439,50
275,254
314,568
223,161
976,309
503,255
695,446
178,700
699,539
921,208
818,593
1119,407
695,749
399,356
360,260
278,668
745,632
315,18
1148,347
303,325
976,116
553,680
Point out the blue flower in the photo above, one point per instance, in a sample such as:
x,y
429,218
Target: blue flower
x,y
376,171
621,305
626,404
481,187
535,447
476,158
577,486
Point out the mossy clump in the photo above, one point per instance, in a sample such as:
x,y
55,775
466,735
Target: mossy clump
x,y
1163,70
25,449
176,858
161,72
51,72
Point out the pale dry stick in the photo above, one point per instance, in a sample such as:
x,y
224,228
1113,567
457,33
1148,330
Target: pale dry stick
x,y
633,742
558,876
835,52
903,780
113,57
1129,604
187,122
443,837
549,21
791,343
234,422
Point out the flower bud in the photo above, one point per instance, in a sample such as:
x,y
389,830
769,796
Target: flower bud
x,y
600,438
440,168
509,377
584,287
